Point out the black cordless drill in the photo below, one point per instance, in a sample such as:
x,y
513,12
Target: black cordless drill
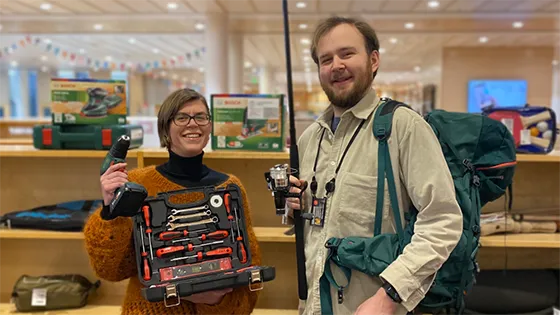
x,y
128,198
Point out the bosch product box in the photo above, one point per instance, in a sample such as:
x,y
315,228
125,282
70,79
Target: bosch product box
x,y
84,137
247,122
88,101
183,248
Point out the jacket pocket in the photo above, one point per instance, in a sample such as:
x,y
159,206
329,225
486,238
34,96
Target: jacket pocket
x,y
356,210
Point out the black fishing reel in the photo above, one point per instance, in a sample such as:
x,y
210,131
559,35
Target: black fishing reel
x,y
278,180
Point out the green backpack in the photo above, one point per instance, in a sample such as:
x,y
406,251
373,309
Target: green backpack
x,y
480,154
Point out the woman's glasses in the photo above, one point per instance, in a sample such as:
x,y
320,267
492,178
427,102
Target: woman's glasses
x,y
183,119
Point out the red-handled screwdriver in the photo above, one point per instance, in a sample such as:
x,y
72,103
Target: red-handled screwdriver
x,y
146,211
230,217
217,235
145,258
169,235
172,249
201,255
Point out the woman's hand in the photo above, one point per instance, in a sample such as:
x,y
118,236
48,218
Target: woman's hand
x,y
210,297
115,177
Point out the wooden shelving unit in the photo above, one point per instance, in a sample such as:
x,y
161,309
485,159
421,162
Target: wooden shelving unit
x,y
7,309
30,177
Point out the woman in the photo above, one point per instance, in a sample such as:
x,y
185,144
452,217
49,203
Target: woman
x,y
184,129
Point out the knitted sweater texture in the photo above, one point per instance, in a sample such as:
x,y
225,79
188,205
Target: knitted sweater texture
x,y
111,251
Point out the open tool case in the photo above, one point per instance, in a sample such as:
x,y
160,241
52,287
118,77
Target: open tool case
x,y
196,247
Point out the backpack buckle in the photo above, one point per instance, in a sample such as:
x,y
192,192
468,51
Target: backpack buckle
x,y
476,180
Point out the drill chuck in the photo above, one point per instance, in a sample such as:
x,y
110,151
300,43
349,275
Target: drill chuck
x,y
117,153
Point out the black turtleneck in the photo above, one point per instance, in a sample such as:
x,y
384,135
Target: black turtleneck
x,y
189,171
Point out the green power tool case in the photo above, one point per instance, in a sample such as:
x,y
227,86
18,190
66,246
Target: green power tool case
x,y
85,137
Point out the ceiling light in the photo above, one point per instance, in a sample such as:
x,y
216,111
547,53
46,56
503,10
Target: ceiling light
x,y
43,58
433,4
172,5
303,26
45,6
14,63
155,51
201,69
199,26
306,51
483,39
307,69
393,40
131,41
417,69
108,58
409,26
301,5
517,24
306,58
185,80
47,41
98,27
175,77
554,62
305,41
82,51
381,50
163,73
248,64
44,68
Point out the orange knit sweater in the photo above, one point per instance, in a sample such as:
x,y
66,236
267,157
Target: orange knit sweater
x,y
111,251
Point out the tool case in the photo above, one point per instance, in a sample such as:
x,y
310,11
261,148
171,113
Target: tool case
x,y
185,248
85,137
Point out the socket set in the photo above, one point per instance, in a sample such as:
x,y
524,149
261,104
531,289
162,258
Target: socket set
x,y
185,247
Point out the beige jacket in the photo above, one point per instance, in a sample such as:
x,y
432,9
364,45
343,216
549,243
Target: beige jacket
x,y
424,181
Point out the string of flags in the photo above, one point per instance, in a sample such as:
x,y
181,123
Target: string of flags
x,y
83,59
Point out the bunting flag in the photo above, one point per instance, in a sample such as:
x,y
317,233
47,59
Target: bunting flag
x,y
28,40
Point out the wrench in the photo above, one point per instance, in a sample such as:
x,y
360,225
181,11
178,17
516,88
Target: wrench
x,y
173,226
176,211
173,218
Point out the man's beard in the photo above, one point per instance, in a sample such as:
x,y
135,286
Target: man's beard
x,y
347,99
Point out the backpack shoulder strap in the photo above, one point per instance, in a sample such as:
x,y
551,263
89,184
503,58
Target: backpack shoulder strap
x,y
382,127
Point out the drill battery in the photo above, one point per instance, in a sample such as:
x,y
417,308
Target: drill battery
x,y
85,137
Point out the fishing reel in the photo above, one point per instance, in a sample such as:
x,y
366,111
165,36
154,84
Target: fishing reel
x,y
278,180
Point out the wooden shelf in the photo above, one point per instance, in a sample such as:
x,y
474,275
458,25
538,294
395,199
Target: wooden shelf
x,y
209,154
276,235
6,308
30,151
553,156
13,141
523,240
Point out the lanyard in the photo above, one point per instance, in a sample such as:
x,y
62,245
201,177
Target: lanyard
x,y
329,187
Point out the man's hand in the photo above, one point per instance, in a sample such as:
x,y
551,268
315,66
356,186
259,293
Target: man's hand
x,y
379,304
293,203
210,297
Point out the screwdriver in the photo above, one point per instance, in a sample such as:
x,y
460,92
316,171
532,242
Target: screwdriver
x,y
202,255
144,254
217,235
240,246
172,249
146,211
169,235
230,217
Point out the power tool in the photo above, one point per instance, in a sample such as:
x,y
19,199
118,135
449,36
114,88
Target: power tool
x,y
128,199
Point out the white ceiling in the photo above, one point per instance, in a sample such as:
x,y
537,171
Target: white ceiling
x,y
69,25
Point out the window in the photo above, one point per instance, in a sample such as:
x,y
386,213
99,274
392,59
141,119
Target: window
x,y
16,106
66,74
32,85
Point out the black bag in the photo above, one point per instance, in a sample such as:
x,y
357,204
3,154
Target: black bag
x,y
67,216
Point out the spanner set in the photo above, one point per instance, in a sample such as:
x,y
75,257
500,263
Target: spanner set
x,y
186,247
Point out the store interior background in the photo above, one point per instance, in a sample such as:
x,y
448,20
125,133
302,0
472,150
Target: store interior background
x,y
429,49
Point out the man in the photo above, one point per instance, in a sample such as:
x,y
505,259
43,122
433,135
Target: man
x,y
346,53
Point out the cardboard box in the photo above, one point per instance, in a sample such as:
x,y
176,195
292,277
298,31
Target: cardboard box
x,y
88,101
247,122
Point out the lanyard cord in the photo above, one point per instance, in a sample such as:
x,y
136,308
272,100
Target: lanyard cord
x,y
329,187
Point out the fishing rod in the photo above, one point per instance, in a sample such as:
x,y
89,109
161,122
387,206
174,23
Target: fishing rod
x,y
294,159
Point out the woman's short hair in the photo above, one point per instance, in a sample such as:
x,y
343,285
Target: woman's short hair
x,y
170,107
